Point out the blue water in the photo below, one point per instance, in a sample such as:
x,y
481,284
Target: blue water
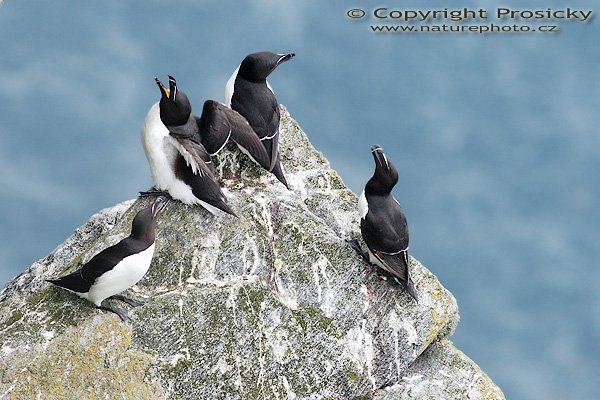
x,y
496,139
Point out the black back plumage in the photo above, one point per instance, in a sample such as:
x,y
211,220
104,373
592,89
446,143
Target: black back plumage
x,y
141,237
253,99
384,228
258,105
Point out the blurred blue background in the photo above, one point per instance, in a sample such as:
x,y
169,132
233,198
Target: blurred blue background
x,y
496,139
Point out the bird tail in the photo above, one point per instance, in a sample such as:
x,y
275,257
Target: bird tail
x,y
399,266
225,207
278,172
73,281
410,288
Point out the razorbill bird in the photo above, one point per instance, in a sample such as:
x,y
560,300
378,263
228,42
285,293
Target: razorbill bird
x,y
180,165
248,92
117,267
383,224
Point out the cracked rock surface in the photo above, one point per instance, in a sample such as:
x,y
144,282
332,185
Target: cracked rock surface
x,y
273,304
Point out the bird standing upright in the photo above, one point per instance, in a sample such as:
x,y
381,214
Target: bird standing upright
x,y
117,267
248,92
180,165
383,224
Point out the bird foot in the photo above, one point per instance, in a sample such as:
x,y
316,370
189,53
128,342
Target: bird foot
x,y
225,182
119,311
155,192
128,300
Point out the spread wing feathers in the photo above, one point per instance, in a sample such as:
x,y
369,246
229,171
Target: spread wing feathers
x,y
244,136
194,154
397,265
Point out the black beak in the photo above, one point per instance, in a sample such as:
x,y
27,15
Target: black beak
x,y
163,89
158,205
380,157
284,57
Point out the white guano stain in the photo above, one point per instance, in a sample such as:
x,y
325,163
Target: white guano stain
x,y
266,214
288,389
180,304
324,295
10,389
358,345
222,367
250,245
279,289
183,355
365,292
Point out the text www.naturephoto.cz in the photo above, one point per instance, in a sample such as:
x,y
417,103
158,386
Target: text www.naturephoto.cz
x,y
449,28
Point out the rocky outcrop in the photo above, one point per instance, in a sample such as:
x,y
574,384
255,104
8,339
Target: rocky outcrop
x,y
273,304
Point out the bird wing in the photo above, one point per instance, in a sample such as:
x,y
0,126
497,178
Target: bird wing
x,y
399,223
381,234
264,121
397,265
189,130
386,236
194,154
213,126
74,281
204,186
243,135
269,134
108,258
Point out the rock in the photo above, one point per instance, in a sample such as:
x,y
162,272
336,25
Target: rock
x,y
442,372
273,304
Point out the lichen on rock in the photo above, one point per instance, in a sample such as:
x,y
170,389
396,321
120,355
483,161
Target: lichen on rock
x,y
442,372
273,304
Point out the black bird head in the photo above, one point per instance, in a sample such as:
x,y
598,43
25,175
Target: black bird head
x,y
144,223
257,66
385,177
175,107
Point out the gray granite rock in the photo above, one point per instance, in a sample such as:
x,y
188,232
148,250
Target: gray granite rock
x,y
442,372
273,304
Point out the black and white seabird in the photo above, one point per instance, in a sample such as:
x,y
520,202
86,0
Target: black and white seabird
x,y
179,163
248,92
117,267
383,224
